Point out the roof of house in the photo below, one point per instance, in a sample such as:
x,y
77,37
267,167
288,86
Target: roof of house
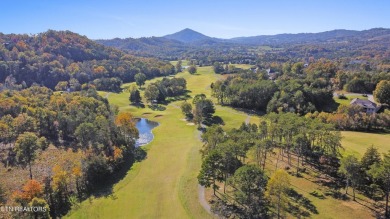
x,y
363,103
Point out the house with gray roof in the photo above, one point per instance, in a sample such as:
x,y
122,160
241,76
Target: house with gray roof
x,y
368,106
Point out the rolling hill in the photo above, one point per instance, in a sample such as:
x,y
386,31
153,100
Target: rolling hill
x,y
187,36
189,44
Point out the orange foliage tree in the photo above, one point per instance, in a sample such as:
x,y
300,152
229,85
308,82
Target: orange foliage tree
x,y
30,190
125,122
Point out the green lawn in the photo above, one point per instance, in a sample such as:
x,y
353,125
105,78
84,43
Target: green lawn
x,y
243,66
349,99
357,142
183,62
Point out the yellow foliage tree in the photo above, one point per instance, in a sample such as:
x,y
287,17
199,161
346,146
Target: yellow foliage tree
x,y
277,188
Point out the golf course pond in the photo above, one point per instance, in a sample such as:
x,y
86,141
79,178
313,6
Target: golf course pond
x,y
145,127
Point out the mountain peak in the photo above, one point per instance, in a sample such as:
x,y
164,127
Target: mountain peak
x,y
187,35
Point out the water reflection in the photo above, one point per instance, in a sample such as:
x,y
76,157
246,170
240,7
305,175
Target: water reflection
x,y
145,127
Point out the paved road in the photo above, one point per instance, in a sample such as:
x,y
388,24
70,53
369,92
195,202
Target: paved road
x,y
202,199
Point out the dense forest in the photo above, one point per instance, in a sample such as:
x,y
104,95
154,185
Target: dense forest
x,y
62,56
94,139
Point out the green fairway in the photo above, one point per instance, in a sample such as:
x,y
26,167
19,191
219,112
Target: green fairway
x,y
151,188
164,185
357,142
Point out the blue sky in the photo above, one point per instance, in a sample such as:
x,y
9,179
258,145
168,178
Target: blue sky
x,y
217,18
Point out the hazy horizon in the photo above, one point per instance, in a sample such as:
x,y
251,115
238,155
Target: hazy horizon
x,y
220,19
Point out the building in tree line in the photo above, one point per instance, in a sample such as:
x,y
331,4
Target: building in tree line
x,y
368,106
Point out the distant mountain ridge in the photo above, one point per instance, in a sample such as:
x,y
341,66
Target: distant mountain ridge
x,y
327,36
190,43
187,36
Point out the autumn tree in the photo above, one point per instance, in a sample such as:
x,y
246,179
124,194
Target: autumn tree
x,y
140,79
277,189
297,68
382,92
61,86
24,123
32,189
126,124
60,180
26,149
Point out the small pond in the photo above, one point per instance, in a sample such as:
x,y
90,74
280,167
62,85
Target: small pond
x,y
145,127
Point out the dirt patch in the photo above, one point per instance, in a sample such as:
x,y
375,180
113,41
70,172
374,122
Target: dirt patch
x,y
157,116
190,123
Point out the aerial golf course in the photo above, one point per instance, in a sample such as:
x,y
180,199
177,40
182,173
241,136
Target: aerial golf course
x,y
164,185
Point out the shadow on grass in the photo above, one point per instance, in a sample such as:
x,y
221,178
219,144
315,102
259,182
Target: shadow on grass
x,y
248,111
105,188
214,120
300,205
157,107
138,105
184,96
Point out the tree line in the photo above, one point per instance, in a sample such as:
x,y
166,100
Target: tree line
x,y
255,91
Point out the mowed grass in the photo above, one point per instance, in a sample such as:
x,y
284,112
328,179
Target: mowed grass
x,y
243,66
356,143
349,99
183,63
165,184
153,188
